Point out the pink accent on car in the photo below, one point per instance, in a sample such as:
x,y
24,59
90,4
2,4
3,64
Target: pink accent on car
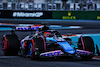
x,y
53,53
83,52
82,43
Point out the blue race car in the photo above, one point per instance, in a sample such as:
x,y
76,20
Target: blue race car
x,y
48,43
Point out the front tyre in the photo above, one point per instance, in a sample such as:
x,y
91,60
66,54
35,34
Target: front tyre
x,y
86,43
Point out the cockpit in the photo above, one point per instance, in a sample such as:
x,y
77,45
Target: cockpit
x,y
51,33
48,34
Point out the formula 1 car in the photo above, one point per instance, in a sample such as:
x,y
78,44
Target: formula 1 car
x,y
47,43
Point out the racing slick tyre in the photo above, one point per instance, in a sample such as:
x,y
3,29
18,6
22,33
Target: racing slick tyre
x,y
10,45
39,48
88,45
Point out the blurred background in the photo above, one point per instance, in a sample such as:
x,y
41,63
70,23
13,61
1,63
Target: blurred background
x,y
50,9
51,5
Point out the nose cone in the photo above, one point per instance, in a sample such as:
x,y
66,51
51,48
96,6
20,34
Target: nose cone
x,y
67,47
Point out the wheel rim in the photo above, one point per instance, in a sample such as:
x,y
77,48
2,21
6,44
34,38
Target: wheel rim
x,y
30,49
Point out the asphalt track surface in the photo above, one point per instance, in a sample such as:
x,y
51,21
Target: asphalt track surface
x,y
17,61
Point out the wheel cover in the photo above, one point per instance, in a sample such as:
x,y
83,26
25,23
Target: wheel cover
x,y
30,49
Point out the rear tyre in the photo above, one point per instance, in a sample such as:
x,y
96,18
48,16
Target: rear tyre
x,y
10,45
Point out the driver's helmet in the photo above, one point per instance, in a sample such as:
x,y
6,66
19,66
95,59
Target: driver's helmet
x,y
48,34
